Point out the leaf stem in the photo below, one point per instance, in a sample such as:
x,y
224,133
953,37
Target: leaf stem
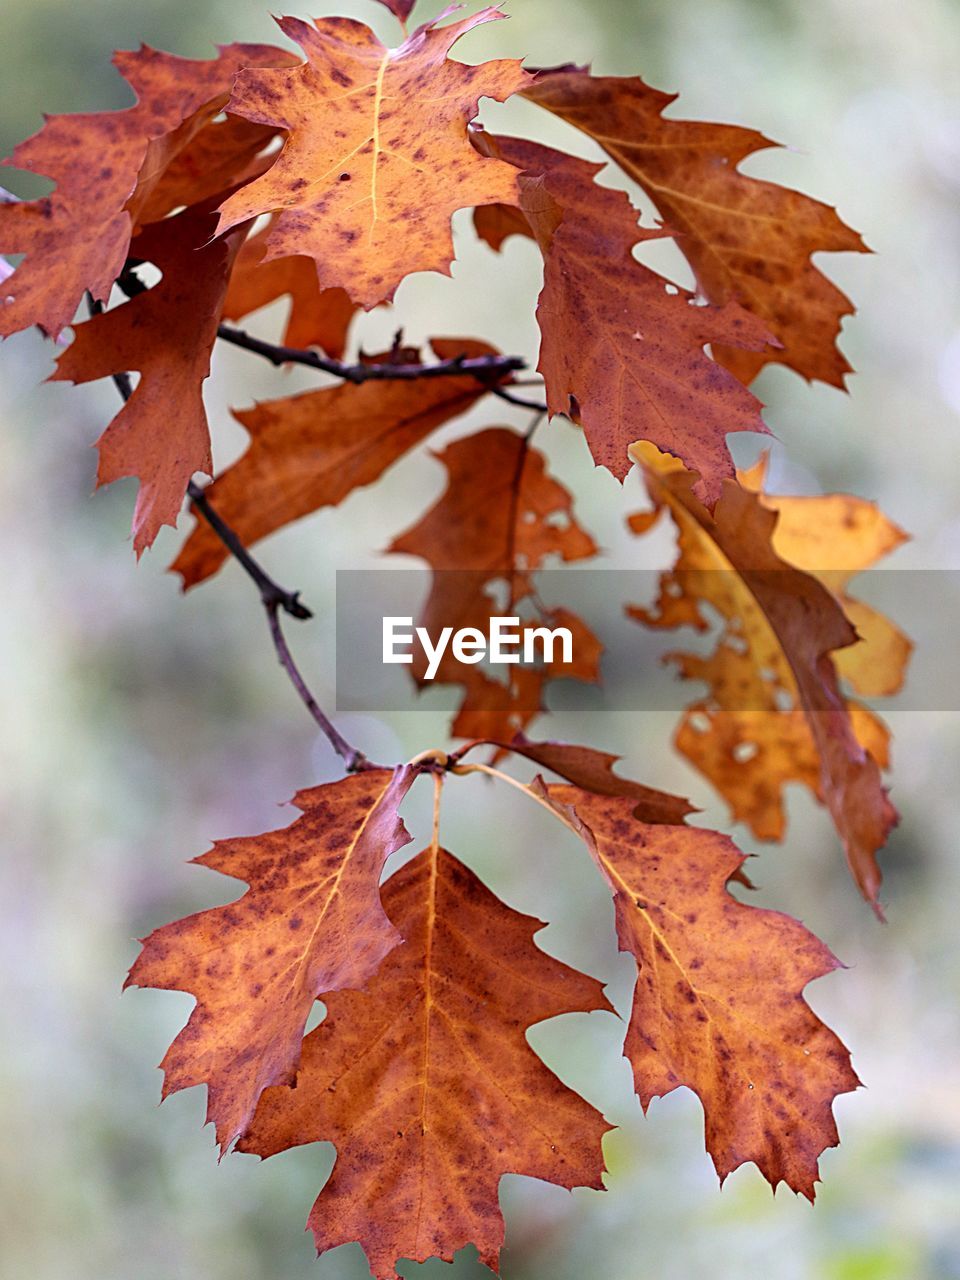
x,y
462,769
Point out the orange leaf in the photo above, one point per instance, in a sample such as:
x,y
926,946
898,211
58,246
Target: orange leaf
x,y
311,450
774,713
747,240
835,536
502,516
427,1085
318,317
622,348
311,922
76,239
167,333
719,1003
377,157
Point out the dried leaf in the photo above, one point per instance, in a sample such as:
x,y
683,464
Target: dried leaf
x,y
377,157
76,239
748,241
311,922
426,1082
774,713
318,317
311,450
501,517
623,348
719,1002
167,334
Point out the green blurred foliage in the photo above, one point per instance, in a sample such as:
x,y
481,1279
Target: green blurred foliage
x,y
138,724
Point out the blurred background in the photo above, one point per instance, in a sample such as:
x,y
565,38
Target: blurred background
x,y
138,725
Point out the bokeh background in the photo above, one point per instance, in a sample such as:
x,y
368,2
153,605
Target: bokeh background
x,y
138,725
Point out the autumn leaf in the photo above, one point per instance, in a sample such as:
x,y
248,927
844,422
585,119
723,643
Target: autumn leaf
x,y
401,8
209,154
499,520
311,922
834,537
593,771
426,1083
748,241
718,1005
76,239
311,450
318,317
774,713
167,333
377,157
623,348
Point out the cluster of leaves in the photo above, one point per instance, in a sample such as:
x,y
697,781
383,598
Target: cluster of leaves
x,y
327,178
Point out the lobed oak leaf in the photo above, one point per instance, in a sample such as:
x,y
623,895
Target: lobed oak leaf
x,y
774,712
622,348
718,1005
426,1083
166,333
499,520
318,317
311,450
748,241
76,239
834,537
311,922
376,158
209,155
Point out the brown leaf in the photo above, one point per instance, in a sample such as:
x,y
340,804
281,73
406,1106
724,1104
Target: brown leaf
x,y
318,317
623,348
377,157
401,8
206,157
719,1002
311,922
774,713
835,536
76,239
501,517
748,241
427,1085
167,334
592,771
311,450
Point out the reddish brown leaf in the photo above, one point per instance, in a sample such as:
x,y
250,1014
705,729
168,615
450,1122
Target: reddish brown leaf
x,y
774,713
593,771
311,922
623,348
502,516
318,317
747,240
206,157
309,451
402,8
167,334
76,239
719,1002
426,1082
377,157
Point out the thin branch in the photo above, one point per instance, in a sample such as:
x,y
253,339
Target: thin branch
x,y
354,760
486,369
503,394
273,596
